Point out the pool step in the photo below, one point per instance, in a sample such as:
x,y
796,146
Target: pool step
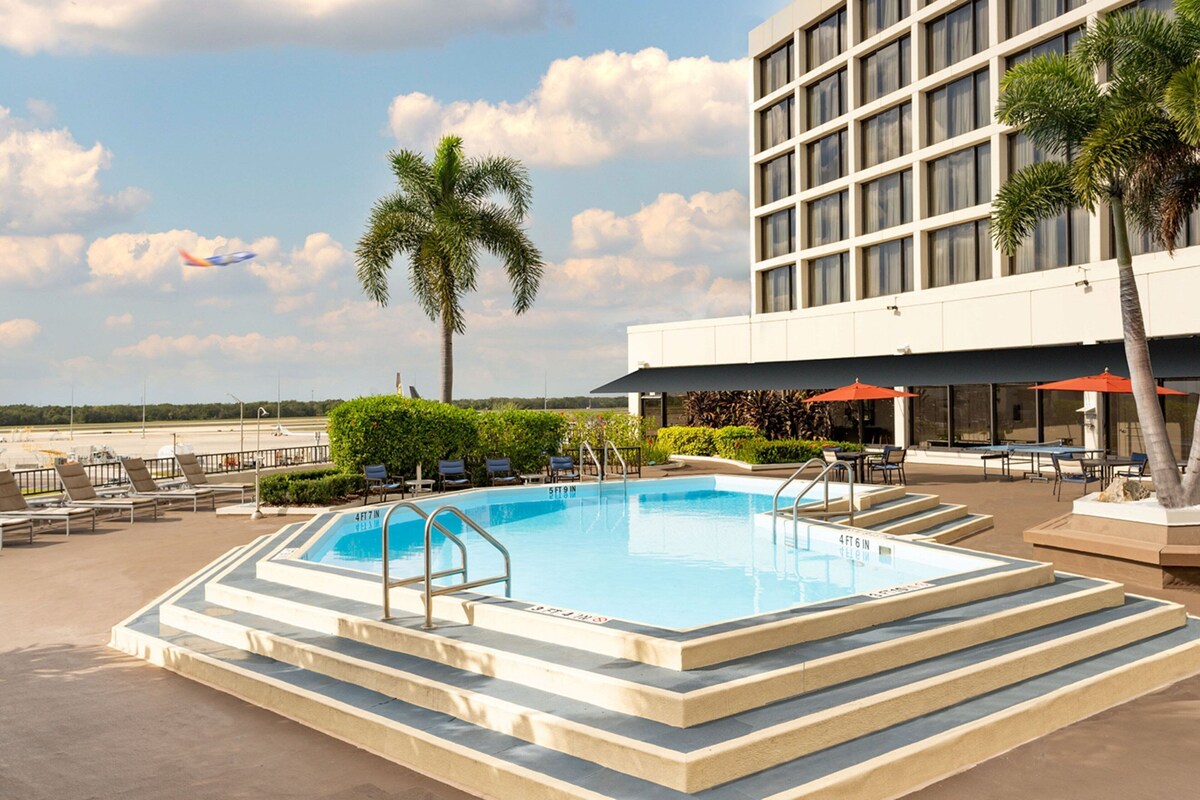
x,y
955,530
874,766
878,514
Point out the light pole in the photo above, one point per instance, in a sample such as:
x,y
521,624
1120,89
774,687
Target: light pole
x,y
241,424
262,412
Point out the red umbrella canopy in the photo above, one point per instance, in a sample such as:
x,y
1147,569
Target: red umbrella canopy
x,y
857,391
1104,382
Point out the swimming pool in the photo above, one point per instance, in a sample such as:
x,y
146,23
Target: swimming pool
x,y
677,553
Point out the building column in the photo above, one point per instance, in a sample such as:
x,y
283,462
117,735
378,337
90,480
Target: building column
x,y
902,406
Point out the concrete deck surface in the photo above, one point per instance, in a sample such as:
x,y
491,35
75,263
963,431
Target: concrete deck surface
x,y
78,720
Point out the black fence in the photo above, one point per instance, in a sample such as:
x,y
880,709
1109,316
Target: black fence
x,y
109,473
633,460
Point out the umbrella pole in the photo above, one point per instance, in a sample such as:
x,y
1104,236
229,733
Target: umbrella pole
x,y
860,423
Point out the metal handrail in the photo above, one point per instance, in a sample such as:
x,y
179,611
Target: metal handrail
x,y
823,475
599,469
609,445
431,592
390,584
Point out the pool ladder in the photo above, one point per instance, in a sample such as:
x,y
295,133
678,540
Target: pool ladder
x,y
828,467
428,576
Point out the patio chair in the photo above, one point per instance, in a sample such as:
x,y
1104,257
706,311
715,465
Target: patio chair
x,y
79,492
831,454
195,477
1081,474
142,484
562,468
378,480
13,506
453,475
1141,462
500,472
890,462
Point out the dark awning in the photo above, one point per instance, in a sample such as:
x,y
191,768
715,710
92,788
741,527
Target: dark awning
x,y
1172,358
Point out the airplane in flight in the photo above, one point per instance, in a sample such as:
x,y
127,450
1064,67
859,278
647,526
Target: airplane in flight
x,y
218,260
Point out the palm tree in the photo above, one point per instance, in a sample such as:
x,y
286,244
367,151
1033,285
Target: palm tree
x,y
440,216
1121,143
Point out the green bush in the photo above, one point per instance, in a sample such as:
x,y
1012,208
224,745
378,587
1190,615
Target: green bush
x,y
784,451
620,428
684,441
852,447
654,453
400,432
732,441
319,488
525,437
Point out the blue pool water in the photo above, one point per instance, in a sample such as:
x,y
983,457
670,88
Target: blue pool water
x,y
679,553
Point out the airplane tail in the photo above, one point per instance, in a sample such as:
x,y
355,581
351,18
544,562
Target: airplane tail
x,y
192,261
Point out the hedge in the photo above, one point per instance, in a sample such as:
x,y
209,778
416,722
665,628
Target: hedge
x,y
528,438
618,427
684,441
735,441
319,487
400,432
784,451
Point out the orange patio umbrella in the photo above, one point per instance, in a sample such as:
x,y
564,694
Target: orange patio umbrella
x,y
858,391
1105,382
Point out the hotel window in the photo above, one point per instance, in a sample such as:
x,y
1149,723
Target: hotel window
x,y
960,180
777,177
971,412
960,254
959,107
931,416
880,14
957,35
1057,242
887,268
829,280
775,70
826,39
885,70
1141,242
827,99
1026,14
887,135
775,289
827,219
887,202
827,159
1062,44
779,233
775,124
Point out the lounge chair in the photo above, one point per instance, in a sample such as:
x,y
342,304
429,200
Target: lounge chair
x,y
193,476
144,486
562,468
378,480
79,493
14,525
13,506
1081,474
1138,468
453,475
500,471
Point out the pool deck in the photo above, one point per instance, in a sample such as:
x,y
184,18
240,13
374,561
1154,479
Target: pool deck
x,y
81,720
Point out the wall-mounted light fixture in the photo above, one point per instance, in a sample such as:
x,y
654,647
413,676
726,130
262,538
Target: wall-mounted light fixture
x,y
643,365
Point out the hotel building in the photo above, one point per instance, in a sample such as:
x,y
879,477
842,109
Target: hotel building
x,y
874,157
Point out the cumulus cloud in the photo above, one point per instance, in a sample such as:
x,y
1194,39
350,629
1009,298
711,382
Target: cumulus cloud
x,y
155,26
310,266
247,348
16,332
670,227
51,183
118,321
32,262
588,109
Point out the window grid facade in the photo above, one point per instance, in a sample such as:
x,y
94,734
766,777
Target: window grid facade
x,y
861,145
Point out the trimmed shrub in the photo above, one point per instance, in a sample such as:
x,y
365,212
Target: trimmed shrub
x,y
620,428
784,451
732,440
684,441
528,438
317,488
400,433
852,447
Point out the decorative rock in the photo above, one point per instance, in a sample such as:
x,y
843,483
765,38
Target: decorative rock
x,y
1123,490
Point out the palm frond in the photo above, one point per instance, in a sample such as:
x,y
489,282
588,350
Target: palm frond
x,y
501,234
1112,149
448,165
1181,99
1135,42
499,175
413,174
1031,194
1055,99
396,224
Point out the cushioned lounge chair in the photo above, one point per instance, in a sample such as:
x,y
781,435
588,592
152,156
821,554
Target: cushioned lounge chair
x,y
378,480
144,485
13,506
453,475
500,472
562,468
13,525
79,493
194,476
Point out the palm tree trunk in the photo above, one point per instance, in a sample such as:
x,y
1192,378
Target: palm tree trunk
x,y
447,359
1167,486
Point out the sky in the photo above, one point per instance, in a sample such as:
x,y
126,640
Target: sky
x,y
132,129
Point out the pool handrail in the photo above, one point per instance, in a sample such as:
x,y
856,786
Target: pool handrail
x,y
430,591
823,475
599,468
390,584
610,445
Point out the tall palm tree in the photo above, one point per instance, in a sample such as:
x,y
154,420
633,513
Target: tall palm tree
x,y
440,217
1120,143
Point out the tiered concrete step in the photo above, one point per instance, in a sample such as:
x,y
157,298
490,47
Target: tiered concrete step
x,y
922,517
509,716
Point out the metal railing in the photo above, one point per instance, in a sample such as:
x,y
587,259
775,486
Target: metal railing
x,y
620,458
823,476
633,459
390,584
584,446
431,592
109,473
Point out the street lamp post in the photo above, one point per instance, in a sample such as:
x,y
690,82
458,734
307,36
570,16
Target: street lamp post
x,y
241,424
262,412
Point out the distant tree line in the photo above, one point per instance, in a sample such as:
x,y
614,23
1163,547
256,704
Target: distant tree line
x,y
558,403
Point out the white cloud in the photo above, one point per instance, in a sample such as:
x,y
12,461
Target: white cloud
x,y
250,347
50,183
16,332
305,268
670,227
32,262
118,321
588,109
156,26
